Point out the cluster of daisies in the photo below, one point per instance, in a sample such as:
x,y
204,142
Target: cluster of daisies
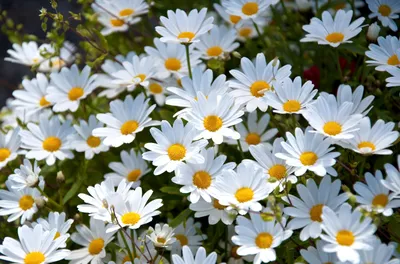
x,y
287,190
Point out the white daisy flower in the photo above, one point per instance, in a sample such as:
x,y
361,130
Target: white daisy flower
x,y
392,181
35,245
307,211
158,89
309,151
57,60
174,146
186,235
214,210
111,23
257,79
197,179
125,9
93,241
291,97
214,117
277,172
345,234
386,11
162,235
234,257
247,31
232,20
247,9
26,176
374,196
69,87
32,98
56,221
381,253
258,237
132,168
386,54
18,203
318,256
333,119
333,31
394,80
28,53
126,118
372,140
188,258
9,146
242,189
180,27
84,140
50,140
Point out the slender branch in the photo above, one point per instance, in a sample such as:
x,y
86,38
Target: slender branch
x,y
188,59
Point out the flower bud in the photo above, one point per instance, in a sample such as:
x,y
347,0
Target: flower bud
x,y
237,54
373,32
40,202
60,177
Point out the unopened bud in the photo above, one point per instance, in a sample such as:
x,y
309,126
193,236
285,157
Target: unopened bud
x,y
373,32
267,217
77,217
60,177
275,61
236,54
105,203
40,202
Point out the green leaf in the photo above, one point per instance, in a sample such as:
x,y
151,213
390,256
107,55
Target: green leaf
x,y
180,218
72,192
170,190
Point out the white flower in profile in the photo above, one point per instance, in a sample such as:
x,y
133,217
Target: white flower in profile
x,y
214,210
386,54
56,221
345,234
381,253
125,120
247,31
360,105
65,56
26,176
392,181
27,53
333,31
158,89
387,11
161,235
232,20
9,146
35,245
394,80
188,258
180,27
318,256
186,234
174,146
247,9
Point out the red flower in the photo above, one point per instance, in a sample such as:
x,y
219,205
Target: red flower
x,y
345,65
313,74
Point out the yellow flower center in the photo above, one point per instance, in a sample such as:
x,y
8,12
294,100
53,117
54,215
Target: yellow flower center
x,y
212,123
258,88
335,37
308,158
264,240
126,12
34,258
4,154
26,202
58,63
245,32
75,93
35,60
214,51
155,88
173,64
277,171
117,22
217,205
253,139
244,194
161,240
366,144
250,8
130,218
316,212
176,152
57,235
93,141
52,144
332,128
345,238
43,102
234,19
202,179
141,76
384,10
183,240
129,127
234,253
187,34
127,259
292,106
133,175
380,200
340,6
96,246
393,60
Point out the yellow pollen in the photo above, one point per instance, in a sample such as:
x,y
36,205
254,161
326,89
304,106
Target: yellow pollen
x,y
117,22
244,194
250,8
52,144
57,235
366,144
202,179
96,246
93,141
316,212
161,240
129,127
217,205
332,128
186,35
393,60
308,158
264,240
183,240
234,19
253,139
127,259
179,82
258,88
130,218
384,10
335,37
172,64
214,51
4,154
380,200
234,253
212,123
277,171
26,202
176,151
43,102
34,258
126,12
141,76
35,60
133,175
58,63
75,93
345,238
155,88
292,106
245,32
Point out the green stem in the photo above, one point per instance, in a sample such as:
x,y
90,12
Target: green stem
x,y
240,148
188,59
49,200
126,245
339,68
226,243
259,34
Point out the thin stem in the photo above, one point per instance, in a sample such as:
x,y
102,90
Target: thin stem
x,y
188,59
126,244
240,148
51,201
226,242
259,34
